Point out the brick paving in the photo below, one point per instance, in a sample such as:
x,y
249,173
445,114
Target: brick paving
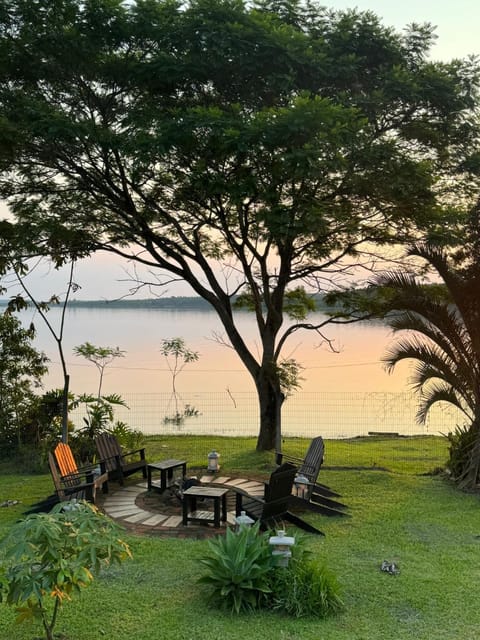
x,y
138,511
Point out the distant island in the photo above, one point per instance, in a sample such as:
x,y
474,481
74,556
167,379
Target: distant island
x,y
172,302
177,303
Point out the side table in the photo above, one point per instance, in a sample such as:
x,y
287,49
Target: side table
x,y
166,469
216,494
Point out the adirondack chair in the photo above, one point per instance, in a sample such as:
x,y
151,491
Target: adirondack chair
x,y
80,487
118,464
69,470
312,495
272,508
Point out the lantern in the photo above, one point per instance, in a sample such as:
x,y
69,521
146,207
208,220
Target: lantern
x,y
281,548
213,465
301,485
243,521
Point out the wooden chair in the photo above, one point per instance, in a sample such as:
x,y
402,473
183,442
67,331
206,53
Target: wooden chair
x,y
118,464
272,508
312,495
68,467
79,486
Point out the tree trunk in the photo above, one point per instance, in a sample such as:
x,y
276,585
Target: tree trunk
x,y
270,400
66,382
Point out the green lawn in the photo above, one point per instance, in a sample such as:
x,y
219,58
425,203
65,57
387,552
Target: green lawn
x,y
420,521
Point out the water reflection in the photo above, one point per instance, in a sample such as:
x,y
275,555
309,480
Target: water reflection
x,y
348,392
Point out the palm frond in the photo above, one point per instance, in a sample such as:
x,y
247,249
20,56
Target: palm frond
x,y
414,348
439,392
425,375
450,338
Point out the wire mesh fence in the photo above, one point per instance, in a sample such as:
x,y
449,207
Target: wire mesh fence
x,y
333,415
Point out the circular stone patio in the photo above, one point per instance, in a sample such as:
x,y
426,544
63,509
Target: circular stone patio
x,y
129,507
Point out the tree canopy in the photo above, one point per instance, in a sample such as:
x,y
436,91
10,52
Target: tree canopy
x,y
21,370
251,150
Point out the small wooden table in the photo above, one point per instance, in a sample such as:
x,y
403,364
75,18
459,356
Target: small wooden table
x,y
192,514
166,468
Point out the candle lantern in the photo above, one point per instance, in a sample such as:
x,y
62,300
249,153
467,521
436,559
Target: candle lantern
x,y
213,465
301,485
281,548
243,521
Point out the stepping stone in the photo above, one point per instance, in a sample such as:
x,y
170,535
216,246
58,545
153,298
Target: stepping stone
x,y
236,482
173,521
136,489
221,480
120,500
138,517
155,520
252,484
122,513
206,479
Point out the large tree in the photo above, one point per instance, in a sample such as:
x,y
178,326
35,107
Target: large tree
x,y
250,150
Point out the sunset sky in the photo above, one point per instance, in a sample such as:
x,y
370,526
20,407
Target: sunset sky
x,y
457,25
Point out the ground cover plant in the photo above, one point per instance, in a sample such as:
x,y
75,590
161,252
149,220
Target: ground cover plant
x,y
421,522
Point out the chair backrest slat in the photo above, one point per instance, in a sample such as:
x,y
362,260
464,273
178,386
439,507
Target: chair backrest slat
x,y
313,458
278,490
55,476
65,460
108,447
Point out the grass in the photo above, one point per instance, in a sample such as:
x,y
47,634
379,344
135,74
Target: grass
x,y
419,521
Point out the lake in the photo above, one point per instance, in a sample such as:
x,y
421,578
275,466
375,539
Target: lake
x,y
344,393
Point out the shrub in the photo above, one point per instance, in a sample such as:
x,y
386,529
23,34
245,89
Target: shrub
x,y
305,588
48,557
240,565
461,443
129,439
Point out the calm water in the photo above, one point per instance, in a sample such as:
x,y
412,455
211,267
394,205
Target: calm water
x,y
343,394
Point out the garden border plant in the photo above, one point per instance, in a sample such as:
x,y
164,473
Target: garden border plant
x,y
244,576
46,558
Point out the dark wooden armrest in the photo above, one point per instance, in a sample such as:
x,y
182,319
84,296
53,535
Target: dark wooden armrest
x,y
77,480
86,475
131,453
104,460
90,468
279,458
239,496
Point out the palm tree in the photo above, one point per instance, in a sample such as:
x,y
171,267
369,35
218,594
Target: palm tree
x,y
444,325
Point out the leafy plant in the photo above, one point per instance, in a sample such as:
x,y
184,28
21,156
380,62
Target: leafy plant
x,y
21,370
461,443
128,438
101,357
178,418
177,356
100,412
49,557
239,567
305,588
